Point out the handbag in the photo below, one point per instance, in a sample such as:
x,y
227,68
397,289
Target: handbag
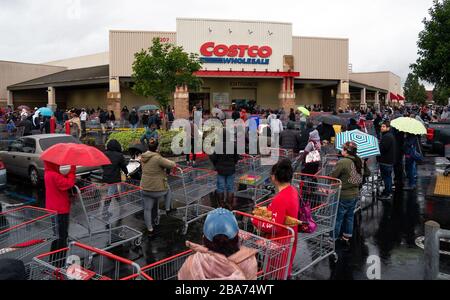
x,y
313,156
305,214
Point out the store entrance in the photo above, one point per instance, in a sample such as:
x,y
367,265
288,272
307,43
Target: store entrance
x,y
244,99
199,100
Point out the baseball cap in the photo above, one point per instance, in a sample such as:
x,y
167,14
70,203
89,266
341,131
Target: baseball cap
x,y
220,222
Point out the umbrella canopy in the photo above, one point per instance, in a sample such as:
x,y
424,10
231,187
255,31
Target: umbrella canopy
x,y
367,144
45,112
75,155
23,107
148,107
331,120
409,125
304,111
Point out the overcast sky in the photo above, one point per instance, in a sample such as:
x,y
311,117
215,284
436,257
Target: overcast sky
x,y
382,33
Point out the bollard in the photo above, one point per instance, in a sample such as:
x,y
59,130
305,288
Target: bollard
x,y
67,125
52,125
431,250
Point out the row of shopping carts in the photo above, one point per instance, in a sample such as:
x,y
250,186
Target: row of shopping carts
x,y
82,262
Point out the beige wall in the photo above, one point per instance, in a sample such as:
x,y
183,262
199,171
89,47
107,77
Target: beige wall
x,y
13,73
321,58
130,99
87,61
87,98
307,96
383,80
124,44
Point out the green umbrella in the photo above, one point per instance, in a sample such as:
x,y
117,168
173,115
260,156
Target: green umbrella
x,y
409,125
148,107
304,111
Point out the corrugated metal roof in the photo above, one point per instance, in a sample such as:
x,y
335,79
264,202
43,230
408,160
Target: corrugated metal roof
x,y
91,75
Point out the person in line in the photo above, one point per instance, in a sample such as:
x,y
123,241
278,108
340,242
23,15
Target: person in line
x,y
27,125
304,137
353,125
276,128
103,118
218,113
112,120
155,185
225,165
221,257
57,188
194,130
326,132
292,116
145,120
290,139
111,173
399,164
150,135
412,155
285,204
311,155
75,125
83,119
133,119
350,170
387,158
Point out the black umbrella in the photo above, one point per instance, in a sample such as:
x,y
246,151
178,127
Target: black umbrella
x,y
331,120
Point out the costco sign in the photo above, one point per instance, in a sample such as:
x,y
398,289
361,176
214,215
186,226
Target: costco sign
x,y
235,54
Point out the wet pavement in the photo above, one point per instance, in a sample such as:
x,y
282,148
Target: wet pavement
x,y
389,230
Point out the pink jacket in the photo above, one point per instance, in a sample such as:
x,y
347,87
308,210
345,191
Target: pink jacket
x,y
207,265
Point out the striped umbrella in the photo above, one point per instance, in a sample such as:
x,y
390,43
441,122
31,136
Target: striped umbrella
x,y
367,144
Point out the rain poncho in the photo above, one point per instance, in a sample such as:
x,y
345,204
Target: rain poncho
x,y
207,265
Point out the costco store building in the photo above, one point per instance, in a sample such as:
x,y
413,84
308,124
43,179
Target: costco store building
x,y
243,62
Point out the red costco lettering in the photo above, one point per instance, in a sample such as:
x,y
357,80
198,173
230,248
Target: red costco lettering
x,y
209,49
205,49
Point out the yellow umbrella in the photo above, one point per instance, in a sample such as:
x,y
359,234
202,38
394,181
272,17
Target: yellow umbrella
x,y
304,111
409,125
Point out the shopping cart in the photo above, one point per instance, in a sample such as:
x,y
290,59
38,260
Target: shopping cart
x,y
273,255
82,262
252,174
188,187
26,232
322,194
96,207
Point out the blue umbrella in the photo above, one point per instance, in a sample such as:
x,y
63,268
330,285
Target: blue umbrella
x,y
45,112
367,144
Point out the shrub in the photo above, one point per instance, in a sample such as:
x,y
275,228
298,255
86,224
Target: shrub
x,y
127,138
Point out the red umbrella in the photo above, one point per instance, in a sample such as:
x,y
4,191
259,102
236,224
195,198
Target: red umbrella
x,y
75,155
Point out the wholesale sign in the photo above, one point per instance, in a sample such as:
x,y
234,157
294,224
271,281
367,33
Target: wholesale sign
x,y
235,54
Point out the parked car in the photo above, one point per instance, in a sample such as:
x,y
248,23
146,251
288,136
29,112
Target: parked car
x,y
23,156
438,141
3,177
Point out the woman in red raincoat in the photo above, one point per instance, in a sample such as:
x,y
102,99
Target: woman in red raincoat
x,y
57,188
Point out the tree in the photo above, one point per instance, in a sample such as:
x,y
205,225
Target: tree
x,y
163,67
414,91
441,95
433,64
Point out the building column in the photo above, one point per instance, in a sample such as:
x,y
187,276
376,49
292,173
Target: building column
x,y
287,94
181,102
114,97
343,95
377,101
10,99
51,93
363,98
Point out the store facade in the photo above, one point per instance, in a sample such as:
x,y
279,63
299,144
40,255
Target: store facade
x,y
247,63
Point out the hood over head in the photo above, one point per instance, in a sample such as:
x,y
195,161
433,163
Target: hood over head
x,y
51,167
114,145
314,136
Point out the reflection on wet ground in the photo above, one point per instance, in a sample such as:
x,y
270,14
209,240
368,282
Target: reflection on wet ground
x,y
385,229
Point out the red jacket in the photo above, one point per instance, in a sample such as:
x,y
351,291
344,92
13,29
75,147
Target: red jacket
x,y
56,189
286,203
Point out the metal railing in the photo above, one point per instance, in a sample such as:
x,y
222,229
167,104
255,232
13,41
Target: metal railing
x,y
433,237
